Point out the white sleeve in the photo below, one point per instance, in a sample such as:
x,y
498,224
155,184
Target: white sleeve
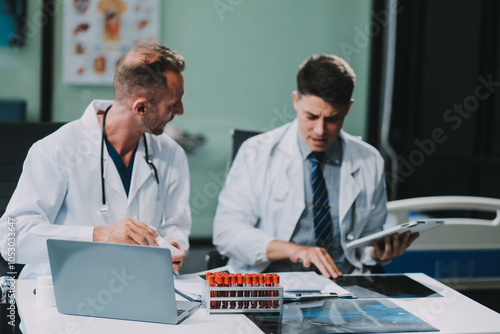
x,y
378,214
236,234
33,207
176,210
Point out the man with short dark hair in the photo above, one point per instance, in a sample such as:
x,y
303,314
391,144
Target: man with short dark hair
x,y
112,175
296,195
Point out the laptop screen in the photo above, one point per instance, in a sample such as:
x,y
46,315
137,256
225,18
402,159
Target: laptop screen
x,y
113,280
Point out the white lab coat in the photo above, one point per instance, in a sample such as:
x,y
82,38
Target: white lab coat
x,y
59,192
263,197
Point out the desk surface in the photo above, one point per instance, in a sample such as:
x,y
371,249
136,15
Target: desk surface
x,y
451,313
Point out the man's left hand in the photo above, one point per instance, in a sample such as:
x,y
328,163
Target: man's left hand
x,y
177,259
393,246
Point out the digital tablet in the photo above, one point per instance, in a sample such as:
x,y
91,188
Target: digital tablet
x,y
412,226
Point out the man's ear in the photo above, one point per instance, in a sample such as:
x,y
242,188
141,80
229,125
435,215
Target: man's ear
x,y
349,107
140,106
296,97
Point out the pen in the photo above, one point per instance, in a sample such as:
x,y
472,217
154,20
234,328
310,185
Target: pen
x,y
312,296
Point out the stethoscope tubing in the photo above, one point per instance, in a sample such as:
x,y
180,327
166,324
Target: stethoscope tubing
x,y
104,205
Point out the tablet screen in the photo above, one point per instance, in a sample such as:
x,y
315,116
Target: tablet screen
x,y
377,286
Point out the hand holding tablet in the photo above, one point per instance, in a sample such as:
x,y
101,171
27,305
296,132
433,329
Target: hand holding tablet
x,y
413,227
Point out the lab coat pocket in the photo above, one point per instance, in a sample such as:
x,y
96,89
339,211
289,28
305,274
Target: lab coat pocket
x,y
154,213
279,211
361,218
279,192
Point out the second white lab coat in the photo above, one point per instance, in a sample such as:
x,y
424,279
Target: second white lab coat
x,y
59,192
263,197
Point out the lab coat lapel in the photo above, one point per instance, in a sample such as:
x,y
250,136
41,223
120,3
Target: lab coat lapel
x,y
141,171
112,178
349,188
92,141
292,161
92,137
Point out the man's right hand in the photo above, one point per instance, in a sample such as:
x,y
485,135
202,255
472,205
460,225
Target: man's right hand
x,y
127,231
317,256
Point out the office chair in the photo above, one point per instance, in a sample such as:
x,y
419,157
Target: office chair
x,y
238,137
466,250
213,258
16,139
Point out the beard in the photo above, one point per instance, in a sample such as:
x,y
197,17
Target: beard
x,y
153,123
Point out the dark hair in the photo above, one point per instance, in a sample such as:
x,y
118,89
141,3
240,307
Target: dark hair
x,y
328,77
142,70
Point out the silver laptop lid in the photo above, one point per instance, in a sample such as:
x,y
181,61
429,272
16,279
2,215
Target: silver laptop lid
x,y
113,280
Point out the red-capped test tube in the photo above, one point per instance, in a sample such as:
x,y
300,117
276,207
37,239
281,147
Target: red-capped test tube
x,y
248,283
239,282
276,283
211,283
255,293
227,283
232,278
269,293
262,293
219,283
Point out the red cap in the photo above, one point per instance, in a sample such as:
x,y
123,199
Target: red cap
x,y
233,278
239,278
255,279
262,280
269,279
227,280
248,279
276,279
211,280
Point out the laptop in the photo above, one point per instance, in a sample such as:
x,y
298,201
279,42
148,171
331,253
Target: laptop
x,y
117,281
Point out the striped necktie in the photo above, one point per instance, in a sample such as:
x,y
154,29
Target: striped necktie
x,y
321,208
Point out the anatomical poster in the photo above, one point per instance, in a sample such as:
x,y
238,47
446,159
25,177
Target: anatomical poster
x,y
98,33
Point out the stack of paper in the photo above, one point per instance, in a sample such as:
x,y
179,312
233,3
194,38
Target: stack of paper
x,y
309,284
190,286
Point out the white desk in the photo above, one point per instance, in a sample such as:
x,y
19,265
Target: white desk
x,y
453,313
38,320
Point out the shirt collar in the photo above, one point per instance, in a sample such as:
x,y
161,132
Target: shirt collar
x,y
333,153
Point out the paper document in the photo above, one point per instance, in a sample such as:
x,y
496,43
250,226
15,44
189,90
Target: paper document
x,y
190,286
412,226
165,244
309,281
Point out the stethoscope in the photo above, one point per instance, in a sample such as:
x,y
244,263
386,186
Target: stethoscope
x,y
104,206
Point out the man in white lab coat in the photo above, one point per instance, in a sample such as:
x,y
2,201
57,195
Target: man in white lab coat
x,y
112,175
265,217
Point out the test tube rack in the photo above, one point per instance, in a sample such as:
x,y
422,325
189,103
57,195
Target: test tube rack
x,y
244,299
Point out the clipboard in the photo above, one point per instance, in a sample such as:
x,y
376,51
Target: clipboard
x,y
412,226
